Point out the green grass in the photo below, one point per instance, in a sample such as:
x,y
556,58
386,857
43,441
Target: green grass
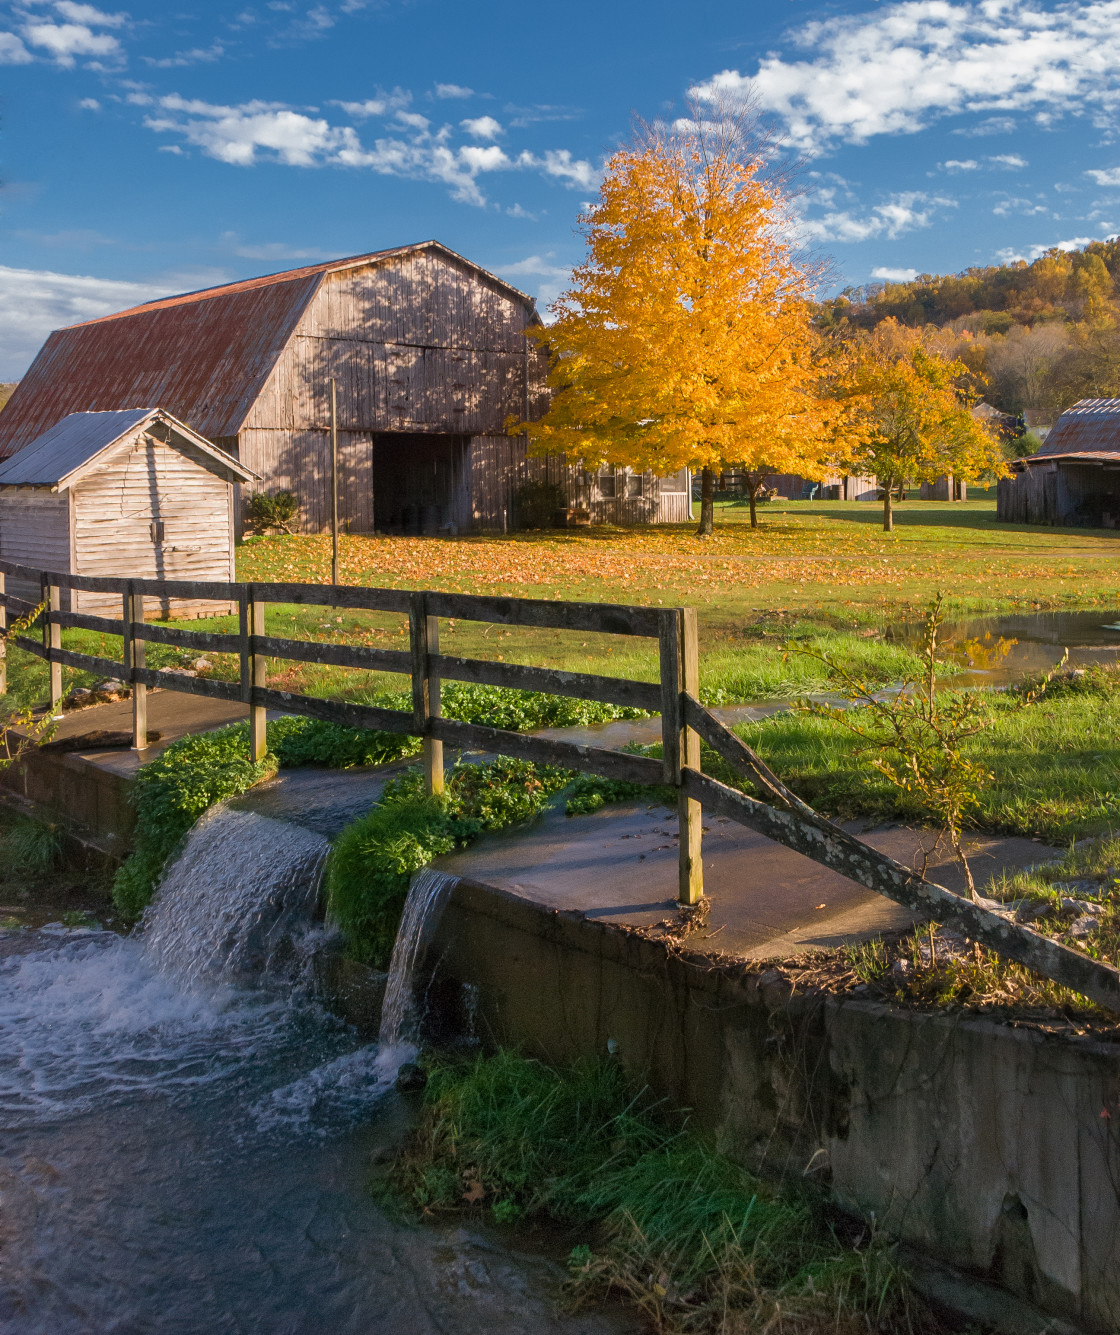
x,y
659,1218
1055,763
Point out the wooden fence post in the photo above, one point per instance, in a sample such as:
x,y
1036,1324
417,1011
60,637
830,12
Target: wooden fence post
x,y
52,638
423,642
680,667
134,658
254,669
3,629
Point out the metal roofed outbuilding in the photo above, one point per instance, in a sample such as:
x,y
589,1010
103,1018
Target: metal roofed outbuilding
x,y
130,492
431,359
1074,479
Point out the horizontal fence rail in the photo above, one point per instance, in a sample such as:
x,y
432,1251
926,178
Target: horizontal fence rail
x,y
782,816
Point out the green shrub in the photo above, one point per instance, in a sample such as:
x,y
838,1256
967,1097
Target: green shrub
x,y
278,509
591,792
538,502
372,860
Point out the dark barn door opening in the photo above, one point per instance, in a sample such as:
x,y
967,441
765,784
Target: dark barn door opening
x,y
420,483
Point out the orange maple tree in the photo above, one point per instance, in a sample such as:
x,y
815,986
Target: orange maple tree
x,y
685,340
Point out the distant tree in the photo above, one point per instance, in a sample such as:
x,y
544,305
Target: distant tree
x,y
907,415
685,339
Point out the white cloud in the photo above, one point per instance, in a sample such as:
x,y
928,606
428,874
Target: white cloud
x,y
901,213
1009,256
13,51
89,15
65,41
413,120
553,278
195,56
445,90
1110,176
960,165
901,66
242,135
384,104
33,302
237,134
894,275
90,104
481,127
1010,160
1026,208
558,162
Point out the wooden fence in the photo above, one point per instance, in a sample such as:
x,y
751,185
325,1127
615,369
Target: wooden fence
x,y
783,817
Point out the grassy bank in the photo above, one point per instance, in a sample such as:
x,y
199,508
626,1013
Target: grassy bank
x,y
656,1216
1054,761
43,878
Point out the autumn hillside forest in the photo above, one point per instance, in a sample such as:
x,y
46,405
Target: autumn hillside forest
x,y
1041,334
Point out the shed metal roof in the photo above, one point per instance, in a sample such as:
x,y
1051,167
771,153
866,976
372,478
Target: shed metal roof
x,y
205,356
1090,428
56,457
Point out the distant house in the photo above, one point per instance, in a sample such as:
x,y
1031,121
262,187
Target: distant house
x,y
1074,479
134,493
431,360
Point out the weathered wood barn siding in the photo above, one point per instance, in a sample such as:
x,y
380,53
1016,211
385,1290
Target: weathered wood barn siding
x,y
421,344
35,531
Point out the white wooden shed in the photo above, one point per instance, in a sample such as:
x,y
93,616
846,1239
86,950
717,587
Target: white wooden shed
x,y
133,494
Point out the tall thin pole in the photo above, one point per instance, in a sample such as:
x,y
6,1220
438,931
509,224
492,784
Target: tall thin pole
x,y
334,481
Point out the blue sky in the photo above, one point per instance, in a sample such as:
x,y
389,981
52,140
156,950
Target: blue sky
x,y
148,150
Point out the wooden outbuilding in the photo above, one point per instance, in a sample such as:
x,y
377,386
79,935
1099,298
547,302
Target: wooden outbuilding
x,y
431,360
133,493
1074,480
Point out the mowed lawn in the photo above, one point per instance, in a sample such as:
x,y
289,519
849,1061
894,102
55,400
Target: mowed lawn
x,y
820,570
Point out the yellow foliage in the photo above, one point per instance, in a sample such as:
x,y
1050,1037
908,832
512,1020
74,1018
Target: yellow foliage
x,y
685,339
906,413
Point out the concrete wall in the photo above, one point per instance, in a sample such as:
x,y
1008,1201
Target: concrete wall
x,y
994,1149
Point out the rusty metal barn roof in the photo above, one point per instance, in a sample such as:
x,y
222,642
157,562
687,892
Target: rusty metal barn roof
x,y
54,457
1088,430
204,356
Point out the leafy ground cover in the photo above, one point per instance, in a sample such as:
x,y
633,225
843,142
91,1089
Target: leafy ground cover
x,y
372,860
656,1216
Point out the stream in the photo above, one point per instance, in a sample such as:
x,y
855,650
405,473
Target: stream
x,y
188,1133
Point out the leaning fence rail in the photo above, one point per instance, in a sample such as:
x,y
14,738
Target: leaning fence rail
x,y
782,817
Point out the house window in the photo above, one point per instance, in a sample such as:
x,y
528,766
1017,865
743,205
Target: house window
x,y
635,484
606,484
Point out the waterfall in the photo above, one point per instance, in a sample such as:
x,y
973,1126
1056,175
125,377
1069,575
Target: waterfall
x,y
236,902
427,895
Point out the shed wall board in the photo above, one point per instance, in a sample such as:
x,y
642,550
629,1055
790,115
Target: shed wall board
x,y
116,503
35,531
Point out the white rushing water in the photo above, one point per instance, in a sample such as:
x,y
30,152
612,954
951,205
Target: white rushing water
x,y
400,1019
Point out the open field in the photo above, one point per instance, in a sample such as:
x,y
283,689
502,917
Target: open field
x,y
811,570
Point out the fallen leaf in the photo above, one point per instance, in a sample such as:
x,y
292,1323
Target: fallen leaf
x,y
474,1193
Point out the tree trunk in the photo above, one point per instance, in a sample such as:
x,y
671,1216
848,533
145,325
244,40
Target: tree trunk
x,y
888,508
753,490
707,509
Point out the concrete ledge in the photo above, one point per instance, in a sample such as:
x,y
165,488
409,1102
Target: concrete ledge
x,y
991,1148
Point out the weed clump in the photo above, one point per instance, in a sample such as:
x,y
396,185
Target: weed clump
x,y
689,1237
